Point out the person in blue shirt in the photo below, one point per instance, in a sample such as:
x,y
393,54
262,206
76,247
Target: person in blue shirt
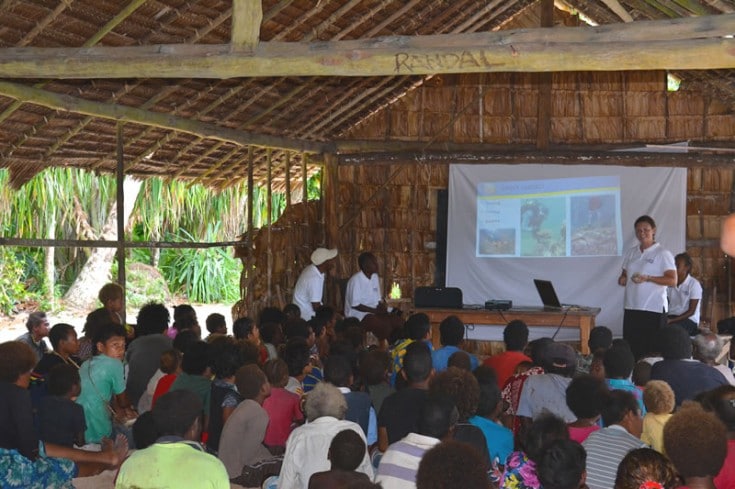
x,y
451,336
619,363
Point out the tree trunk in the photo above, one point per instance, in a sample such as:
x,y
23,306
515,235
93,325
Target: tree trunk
x,y
96,272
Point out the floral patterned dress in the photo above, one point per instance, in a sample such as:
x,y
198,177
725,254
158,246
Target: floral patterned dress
x,y
520,473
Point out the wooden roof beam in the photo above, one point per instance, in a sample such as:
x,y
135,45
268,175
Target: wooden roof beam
x,y
67,103
247,15
688,44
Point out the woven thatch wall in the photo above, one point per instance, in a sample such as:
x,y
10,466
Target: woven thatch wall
x,y
390,210
709,201
587,108
289,243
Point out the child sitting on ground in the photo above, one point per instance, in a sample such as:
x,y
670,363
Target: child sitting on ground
x,y
345,454
283,407
499,439
170,367
103,385
61,419
585,396
660,402
216,326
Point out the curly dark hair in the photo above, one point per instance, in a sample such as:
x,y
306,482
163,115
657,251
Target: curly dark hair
x,y
618,361
721,401
544,430
585,396
16,359
642,465
452,464
696,442
460,386
562,465
225,357
153,318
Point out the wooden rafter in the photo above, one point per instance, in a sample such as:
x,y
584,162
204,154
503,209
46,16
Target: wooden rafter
x,y
492,154
688,43
329,21
190,102
147,118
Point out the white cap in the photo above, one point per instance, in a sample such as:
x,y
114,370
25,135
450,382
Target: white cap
x,y
320,255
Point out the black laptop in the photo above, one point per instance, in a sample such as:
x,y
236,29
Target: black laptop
x,y
547,293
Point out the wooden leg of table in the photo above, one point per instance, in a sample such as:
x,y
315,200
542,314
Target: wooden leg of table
x,y
435,335
585,325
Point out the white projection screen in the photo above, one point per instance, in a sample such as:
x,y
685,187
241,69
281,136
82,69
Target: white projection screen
x,y
510,224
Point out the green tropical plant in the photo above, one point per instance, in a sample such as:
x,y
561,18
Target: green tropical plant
x,y
12,290
68,203
202,274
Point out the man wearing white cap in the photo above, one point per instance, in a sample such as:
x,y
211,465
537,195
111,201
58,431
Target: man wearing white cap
x,y
307,294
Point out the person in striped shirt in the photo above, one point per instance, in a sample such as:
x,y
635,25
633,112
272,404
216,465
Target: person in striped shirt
x,y
400,463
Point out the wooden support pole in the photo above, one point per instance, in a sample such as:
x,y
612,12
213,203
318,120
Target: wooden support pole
x,y
287,177
247,16
250,298
544,102
269,222
330,176
330,191
693,43
121,278
305,199
115,112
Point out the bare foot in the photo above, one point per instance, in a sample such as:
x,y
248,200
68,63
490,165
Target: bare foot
x,y
115,450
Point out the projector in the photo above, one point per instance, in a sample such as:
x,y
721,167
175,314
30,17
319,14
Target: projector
x,y
498,305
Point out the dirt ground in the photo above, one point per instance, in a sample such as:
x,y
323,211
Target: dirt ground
x,y
13,326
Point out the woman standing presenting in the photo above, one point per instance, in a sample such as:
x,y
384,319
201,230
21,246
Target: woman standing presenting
x,y
647,270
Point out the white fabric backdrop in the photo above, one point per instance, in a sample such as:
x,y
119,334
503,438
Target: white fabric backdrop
x,y
586,281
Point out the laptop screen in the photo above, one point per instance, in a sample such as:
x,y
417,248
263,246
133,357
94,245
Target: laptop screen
x,y
546,292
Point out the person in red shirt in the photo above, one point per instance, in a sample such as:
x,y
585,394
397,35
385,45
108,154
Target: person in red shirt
x,y
515,336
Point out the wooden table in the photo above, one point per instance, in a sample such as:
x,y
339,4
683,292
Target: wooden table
x,y
582,318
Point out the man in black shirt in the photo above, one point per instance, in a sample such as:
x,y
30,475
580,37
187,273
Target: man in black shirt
x,y
400,411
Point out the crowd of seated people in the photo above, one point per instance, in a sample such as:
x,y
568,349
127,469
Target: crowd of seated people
x,y
291,403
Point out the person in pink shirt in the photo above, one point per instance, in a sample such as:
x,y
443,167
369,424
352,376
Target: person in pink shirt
x,y
283,407
722,402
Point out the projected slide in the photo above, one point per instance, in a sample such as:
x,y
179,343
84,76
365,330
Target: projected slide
x,y
549,218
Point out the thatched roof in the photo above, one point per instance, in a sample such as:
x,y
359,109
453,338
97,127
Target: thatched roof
x,y
205,129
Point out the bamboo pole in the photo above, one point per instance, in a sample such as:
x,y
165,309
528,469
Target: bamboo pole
x,y
330,215
120,174
251,232
269,223
544,102
305,198
289,251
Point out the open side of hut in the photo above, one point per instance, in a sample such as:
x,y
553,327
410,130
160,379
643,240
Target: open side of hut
x,y
379,96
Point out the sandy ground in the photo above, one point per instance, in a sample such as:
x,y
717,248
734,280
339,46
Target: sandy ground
x,y
13,326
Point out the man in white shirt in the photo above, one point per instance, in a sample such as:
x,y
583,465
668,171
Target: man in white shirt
x,y
309,289
308,445
363,289
364,300
685,300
